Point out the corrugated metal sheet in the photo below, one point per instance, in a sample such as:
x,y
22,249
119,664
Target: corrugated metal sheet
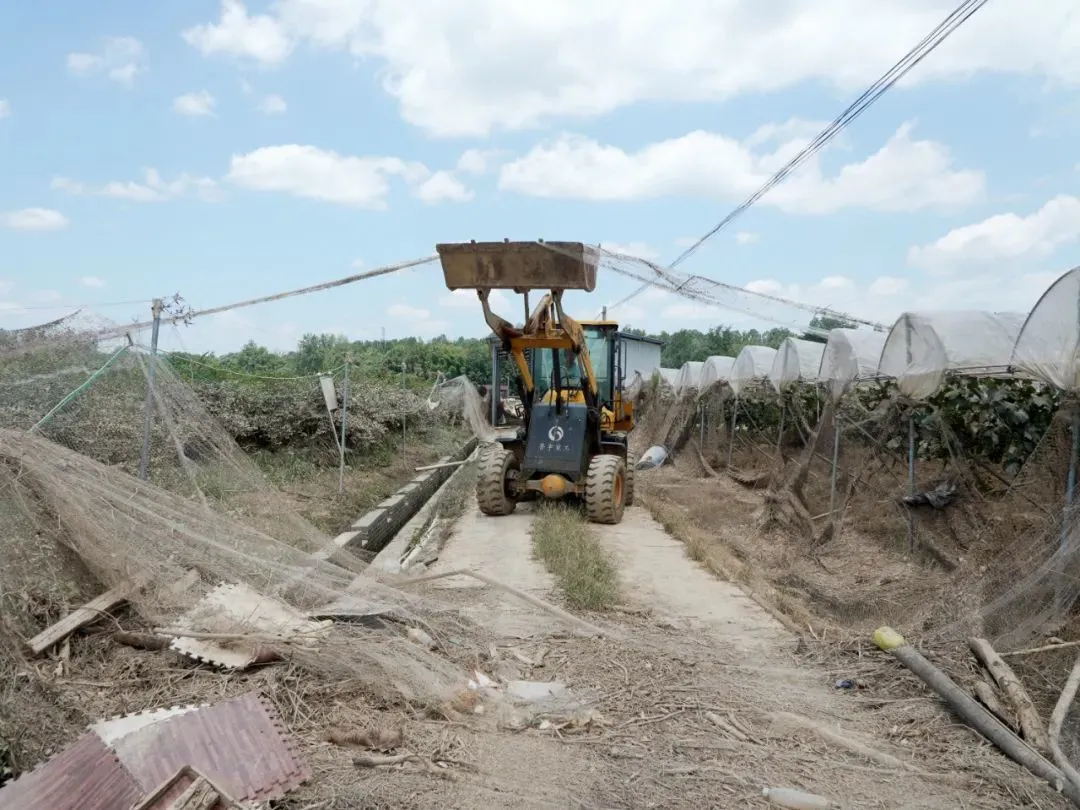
x,y
84,776
238,744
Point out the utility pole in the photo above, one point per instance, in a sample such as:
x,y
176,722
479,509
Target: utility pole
x,y
148,411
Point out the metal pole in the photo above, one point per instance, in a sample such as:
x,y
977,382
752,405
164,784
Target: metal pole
x,y
701,410
344,426
404,458
911,479
1066,517
148,415
731,437
835,457
780,433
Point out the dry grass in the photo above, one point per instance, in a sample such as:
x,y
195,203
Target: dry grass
x,y
584,571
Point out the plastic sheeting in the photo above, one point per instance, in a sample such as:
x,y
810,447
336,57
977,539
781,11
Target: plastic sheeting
x,y
1048,347
752,365
689,376
667,375
716,369
850,354
922,347
795,360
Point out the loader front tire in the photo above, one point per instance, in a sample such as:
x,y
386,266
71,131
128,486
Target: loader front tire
x,y
605,489
492,476
629,485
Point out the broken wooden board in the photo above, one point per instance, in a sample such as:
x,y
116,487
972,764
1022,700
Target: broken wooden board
x,y
251,618
188,789
87,614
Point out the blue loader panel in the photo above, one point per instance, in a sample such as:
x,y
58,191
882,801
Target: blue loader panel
x,y
557,441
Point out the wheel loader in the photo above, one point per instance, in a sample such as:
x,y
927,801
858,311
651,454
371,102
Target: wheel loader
x,y
573,440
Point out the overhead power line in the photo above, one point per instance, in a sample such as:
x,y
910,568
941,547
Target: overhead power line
x,y
924,48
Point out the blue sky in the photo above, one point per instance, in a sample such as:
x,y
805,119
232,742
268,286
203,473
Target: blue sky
x,y
291,142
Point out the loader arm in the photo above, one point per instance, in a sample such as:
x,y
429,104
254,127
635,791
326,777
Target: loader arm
x,y
548,327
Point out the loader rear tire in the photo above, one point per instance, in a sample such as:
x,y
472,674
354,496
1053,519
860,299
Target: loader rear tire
x,y
491,479
629,485
605,489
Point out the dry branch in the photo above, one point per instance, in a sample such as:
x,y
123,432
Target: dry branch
x,y
986,695
1031,725
1057,719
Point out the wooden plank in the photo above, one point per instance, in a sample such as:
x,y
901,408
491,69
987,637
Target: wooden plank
x,y
200,795
1031,724
88,613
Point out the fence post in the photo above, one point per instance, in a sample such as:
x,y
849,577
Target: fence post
x,y
344,425
148,410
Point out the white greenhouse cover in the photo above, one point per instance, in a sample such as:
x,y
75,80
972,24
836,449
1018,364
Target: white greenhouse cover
x,y
922,347
1048,347
717,369
752,365
667,375
850,354
795,360
689,376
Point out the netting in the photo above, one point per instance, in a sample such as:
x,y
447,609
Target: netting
x,y
458,398
717,369
850,354
1048,346
668,376
922,347
751,366
689,376
796,360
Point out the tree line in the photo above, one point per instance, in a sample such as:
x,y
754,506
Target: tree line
x,y
421,361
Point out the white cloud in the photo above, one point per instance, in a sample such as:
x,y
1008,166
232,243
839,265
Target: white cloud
x,y
416,320
34,219
257,36
91,281
887,285
467,300
5,108
152,189
744,238
121,59
319,174
639,250
195,104
836,283
478,161
552,61
442,186
245,87
1004,237
904,175
359,263
273,105
766,286
43,296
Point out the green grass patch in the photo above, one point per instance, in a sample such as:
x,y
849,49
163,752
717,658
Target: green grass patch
x,y
583,569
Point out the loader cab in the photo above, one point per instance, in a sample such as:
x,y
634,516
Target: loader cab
x,y
600,341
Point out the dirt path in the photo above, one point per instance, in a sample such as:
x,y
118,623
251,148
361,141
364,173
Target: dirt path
x,y
682,711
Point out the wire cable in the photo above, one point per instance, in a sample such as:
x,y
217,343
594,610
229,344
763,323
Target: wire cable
x,y
924,48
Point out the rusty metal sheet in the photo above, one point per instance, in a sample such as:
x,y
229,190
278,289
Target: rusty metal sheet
x,y
239,744
173,789
518,266
84,776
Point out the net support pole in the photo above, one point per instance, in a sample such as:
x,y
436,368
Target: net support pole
x,y
835,459
1064,550
148,410
911,480
404,457
780,432
701,411
731,436
344,426
86,384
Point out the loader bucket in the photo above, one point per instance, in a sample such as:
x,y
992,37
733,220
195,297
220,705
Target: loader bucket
x,y
518,266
